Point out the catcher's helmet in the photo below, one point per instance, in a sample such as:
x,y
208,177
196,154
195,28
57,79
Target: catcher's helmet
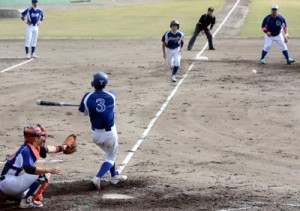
x,y
99,79
31,132
174,22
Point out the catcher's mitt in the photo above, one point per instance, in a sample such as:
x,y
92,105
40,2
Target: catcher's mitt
x,y
71,144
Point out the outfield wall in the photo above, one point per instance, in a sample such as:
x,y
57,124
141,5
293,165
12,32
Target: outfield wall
x,y
16,3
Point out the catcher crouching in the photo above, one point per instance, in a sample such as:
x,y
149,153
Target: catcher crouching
x,y
21,178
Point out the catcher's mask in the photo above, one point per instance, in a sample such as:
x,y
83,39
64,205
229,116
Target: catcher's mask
x,y
31,132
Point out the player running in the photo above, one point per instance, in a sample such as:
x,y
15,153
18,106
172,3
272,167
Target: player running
x,y
33,16
272,26
172,43
202,25
20,177
99,105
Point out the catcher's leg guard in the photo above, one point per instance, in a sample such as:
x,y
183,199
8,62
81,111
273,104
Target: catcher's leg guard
x,y
37,188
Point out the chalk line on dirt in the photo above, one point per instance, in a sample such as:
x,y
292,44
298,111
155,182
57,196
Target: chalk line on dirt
x,y
163,107
170,97
14,66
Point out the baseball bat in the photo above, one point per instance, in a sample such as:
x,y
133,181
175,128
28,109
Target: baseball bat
x,y
53,103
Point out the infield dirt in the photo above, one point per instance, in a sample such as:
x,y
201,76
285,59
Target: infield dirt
x,y
228,140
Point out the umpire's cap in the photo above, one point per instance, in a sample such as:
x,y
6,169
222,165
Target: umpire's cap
x,y
99,79
211,9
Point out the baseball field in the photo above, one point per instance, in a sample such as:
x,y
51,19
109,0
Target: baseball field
x,y
227,140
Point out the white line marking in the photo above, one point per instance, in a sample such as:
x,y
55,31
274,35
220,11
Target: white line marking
x,y
14,66
166,103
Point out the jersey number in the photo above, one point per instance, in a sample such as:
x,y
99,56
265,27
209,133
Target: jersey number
x,y
100,105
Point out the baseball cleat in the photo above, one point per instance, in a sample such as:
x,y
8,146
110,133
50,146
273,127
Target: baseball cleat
x,y
28,56
34,56
262,61
118,178
27,203
96,182
212,49
290,61
173,78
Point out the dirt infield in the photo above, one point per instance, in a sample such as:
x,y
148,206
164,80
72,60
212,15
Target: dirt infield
x,y
229,140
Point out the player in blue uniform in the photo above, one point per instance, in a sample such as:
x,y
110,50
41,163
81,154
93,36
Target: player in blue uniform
x,y
99,105
172,43
33,16
272,26
20,177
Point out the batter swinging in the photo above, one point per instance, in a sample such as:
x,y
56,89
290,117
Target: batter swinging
x,y
33,17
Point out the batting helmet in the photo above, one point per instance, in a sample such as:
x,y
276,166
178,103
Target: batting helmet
x,y
99,79
174,22
31,132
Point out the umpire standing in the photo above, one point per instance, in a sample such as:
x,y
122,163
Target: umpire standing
x,y
204,21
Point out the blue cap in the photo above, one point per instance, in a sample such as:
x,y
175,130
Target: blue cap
x,y
99,79
34,1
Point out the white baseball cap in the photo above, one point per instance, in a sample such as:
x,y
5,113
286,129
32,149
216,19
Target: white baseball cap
x,y
275,7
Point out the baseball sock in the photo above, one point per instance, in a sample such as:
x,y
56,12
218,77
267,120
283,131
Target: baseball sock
x,y
105,167
27,50
263,54
113,170
33,188
175,68
286,54
32,50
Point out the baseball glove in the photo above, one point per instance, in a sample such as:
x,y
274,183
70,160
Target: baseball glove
x,y
71,144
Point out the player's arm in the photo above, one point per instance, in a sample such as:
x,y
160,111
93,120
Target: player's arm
x,y
40,170
23,14
82,107
30,168
55,149
163,45
264,25
213,22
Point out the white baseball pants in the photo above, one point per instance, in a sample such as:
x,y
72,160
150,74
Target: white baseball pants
x,y
108,142
279,40
14,185
173,57
32,33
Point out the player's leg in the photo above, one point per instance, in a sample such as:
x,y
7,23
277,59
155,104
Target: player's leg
x,y
209,38
177,59
28,31
33,196
194,36
282,46
266,48
35,34
169,58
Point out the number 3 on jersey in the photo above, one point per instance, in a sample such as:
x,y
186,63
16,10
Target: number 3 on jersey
x,y
100,105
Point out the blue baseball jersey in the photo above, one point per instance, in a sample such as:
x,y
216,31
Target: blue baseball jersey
x,y
24,157
173,40
273,24
99,105
33,15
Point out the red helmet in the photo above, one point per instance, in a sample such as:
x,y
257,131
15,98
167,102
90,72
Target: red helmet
x,y
31,132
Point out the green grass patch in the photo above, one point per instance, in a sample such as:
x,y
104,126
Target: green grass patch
x,y
130,21
259,9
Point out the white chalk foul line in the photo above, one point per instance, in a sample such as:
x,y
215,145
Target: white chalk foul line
x,y
166,103
14,66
